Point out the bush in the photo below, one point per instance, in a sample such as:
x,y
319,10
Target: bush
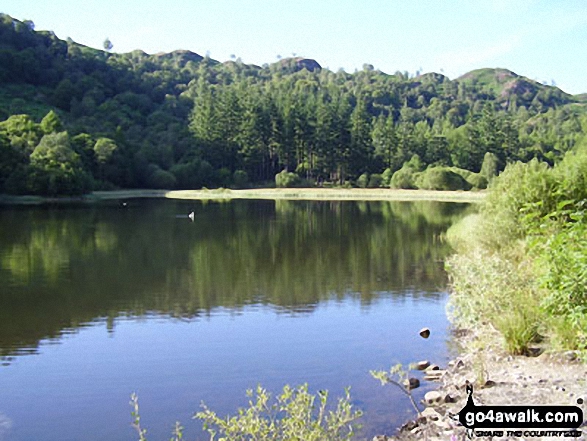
x,y
223,177
294,415
161,179
405,178
461,171
386,177
240,178
441,178
523,194
363,180
375,181
477,181
490,166
285,179
522,262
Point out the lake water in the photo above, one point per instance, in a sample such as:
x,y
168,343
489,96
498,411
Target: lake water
x,y
99,301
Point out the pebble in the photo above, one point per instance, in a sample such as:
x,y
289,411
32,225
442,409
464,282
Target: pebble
x,y
433,398
431,414
412,383
421,365
424,332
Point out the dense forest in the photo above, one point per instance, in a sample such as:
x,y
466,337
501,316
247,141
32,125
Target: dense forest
x,y
74,119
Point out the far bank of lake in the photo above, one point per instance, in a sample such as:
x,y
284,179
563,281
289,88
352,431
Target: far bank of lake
x,y
310,194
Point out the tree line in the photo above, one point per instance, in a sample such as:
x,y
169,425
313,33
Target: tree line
x,y
75,119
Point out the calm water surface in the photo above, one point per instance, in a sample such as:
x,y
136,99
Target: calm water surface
x,y
99,301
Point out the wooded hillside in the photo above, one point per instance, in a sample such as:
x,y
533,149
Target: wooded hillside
x,y
75,119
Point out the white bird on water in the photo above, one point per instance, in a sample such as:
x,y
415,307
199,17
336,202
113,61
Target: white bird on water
x,y
192,216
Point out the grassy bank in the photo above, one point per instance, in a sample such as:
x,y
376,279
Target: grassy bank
x,y
521,266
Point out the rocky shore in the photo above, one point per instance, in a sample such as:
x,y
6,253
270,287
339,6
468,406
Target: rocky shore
x,y
497,379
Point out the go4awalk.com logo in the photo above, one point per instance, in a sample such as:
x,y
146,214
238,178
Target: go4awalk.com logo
x,y
520,421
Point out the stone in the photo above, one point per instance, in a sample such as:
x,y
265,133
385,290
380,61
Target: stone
x,y
489,383
421,365
433,398
435,372
443,425
411,383
424,333
431,414
449,399
570,355
409,426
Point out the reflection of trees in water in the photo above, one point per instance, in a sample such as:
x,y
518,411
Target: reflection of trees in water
x,y
69,266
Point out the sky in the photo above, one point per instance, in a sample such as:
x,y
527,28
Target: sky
x,y
545,40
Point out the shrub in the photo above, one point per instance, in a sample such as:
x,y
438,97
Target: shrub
x,y
386,177
523,194
161,179
477,181
296,414
223,177
405,178
375,181
285,179
490,166
461,171
240,178
522,262
363,180
441,178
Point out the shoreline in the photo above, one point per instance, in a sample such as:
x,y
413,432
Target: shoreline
x,y
309,194
498,379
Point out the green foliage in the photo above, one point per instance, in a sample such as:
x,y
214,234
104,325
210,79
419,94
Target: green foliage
x,y
294,415
104,149
180,108
375,181
285,179
522,264
398,377
404,178
56,168
161,179
561,261
415,163
407,176
51,123
490,165
477,181
523,191
494,288
240,179
386,177
441,178
363,180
